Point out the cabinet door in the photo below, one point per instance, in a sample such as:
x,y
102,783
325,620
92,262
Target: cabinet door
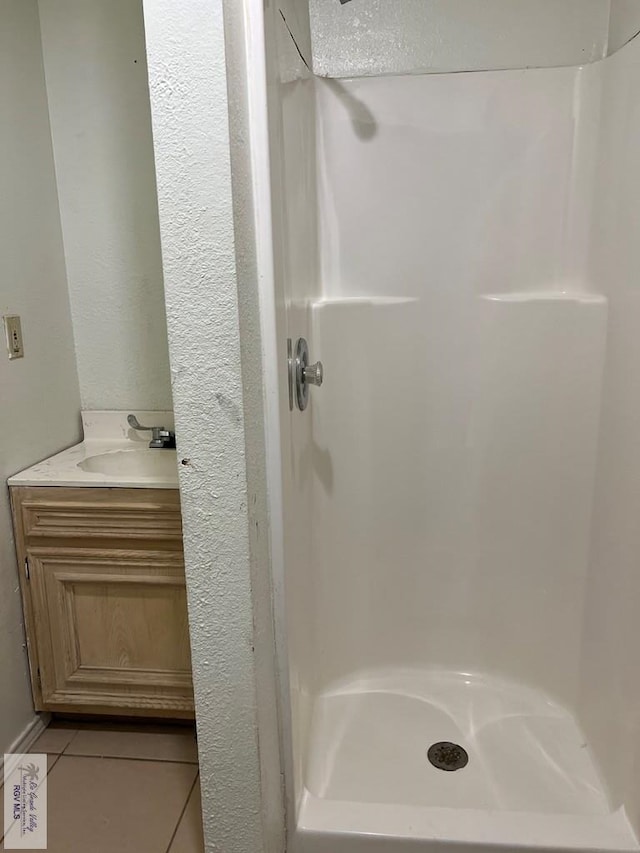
x,y
111,629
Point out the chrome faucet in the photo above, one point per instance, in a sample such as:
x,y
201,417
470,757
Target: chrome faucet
x,y
160,437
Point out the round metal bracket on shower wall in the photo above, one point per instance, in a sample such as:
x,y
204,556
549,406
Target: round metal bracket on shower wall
x,y
302,374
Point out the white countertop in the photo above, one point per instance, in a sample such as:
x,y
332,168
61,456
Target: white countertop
x,y
107,434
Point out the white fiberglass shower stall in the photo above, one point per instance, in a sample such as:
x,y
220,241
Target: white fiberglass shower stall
x,y
458,577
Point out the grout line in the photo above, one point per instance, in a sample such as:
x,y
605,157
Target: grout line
x,y
175,831
75,735
55,757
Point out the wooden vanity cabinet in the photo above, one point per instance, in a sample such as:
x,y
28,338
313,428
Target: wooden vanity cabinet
x,y
103,590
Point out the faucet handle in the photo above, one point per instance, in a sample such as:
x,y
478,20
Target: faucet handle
x,y
133,422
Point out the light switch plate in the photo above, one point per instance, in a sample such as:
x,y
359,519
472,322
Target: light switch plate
x,y
13,330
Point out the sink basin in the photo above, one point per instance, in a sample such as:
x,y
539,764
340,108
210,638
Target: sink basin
x,y
154,464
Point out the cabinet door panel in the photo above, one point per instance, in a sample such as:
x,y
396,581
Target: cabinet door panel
x,y
123,624
112,628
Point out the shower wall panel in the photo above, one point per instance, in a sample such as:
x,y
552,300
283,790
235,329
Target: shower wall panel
x,y
449,185
451,507
294,206
610,698
454,440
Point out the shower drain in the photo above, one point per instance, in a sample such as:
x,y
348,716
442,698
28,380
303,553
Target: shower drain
x,y
447,756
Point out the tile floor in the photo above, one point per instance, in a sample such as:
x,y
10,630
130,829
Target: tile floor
x,y
121,788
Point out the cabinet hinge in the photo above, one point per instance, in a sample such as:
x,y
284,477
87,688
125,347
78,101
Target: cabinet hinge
x,y
26,568
39,680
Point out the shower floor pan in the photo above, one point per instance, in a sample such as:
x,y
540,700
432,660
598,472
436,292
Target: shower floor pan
x,y
529,783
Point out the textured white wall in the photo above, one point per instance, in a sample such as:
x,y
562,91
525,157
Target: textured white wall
x,y
95,63
218,416
39,409
382,37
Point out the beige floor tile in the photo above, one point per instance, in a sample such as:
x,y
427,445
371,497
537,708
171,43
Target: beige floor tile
x,y
178,746
104,805
189,838
53,740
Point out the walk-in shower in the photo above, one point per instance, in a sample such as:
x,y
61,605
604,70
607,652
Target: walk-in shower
x,y
456,604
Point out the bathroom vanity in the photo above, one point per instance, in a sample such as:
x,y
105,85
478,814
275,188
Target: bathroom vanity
x,y
99,543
